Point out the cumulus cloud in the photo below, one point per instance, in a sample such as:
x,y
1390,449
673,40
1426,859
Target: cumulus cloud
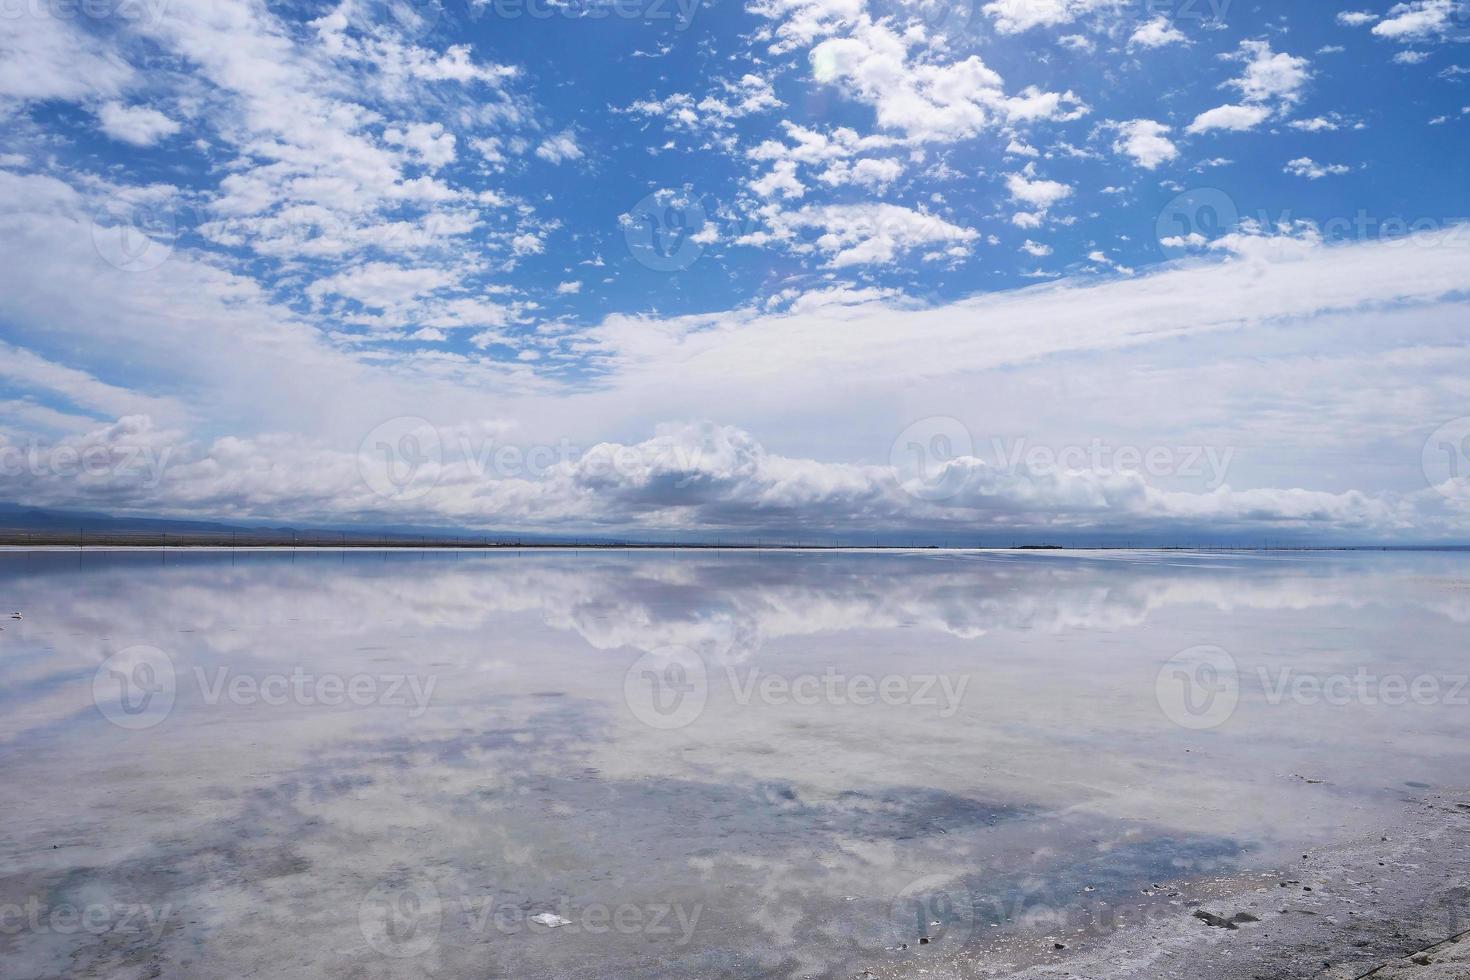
x,y
428,142
1272,82
1270,75
718,109
1157,33
1236,118
1146,142
1419,20
924,98
698,475
861,234
559,148
867,172
1027,189
1312,170
138,125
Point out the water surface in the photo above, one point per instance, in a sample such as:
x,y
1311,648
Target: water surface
x,y
715,764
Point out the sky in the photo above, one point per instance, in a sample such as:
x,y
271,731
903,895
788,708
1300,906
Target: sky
x,y
1178,271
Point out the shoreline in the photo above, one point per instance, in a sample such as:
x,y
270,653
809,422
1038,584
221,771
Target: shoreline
x,y
1387,906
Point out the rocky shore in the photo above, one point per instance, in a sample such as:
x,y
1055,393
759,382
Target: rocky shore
x,y
1393,906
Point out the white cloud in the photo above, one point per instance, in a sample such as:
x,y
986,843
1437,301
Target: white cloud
x,y
138,125
428,142
924,99
52,57
1157,33
1410,57
1312,170
1419,20
1036,248
1270,75
1235,118
725,103
1025,188
800,22
1272,81
780,181
861,234
1316,124
1146,142
1355,18
231,353
867,172
559,148
382,285
569,288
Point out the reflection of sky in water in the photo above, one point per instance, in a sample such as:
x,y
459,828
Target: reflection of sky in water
x,y
788,836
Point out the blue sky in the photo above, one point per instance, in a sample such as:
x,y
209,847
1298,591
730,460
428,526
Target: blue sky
x,y
1067,267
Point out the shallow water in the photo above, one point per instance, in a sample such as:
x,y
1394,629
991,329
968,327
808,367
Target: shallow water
x,y
702,763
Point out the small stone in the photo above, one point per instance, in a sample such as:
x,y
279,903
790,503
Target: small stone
x,y
1211,919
